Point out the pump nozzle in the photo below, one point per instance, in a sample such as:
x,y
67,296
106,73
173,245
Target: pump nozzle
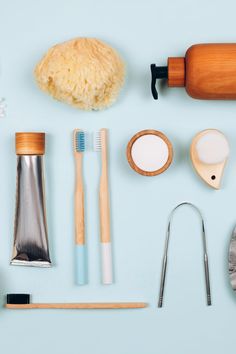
x,y
158,72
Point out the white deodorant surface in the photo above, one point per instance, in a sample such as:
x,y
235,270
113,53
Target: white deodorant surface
x,y
150,152
212,148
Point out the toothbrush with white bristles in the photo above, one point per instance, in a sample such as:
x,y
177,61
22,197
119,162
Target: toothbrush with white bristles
x,y
100,144
2,108
80,245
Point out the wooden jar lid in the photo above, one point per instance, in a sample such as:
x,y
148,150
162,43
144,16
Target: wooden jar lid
x,y
30,143
132,162
176,72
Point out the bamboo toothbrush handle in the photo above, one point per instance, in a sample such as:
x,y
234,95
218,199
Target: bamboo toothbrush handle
x,y
79,202
80,249
107,272
104,208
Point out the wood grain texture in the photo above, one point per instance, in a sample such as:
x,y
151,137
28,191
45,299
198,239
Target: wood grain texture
x,y
130,158
176,72
104,191
111,305
211,71
30,143
78,197
210,173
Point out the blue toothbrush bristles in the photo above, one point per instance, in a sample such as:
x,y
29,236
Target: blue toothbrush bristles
x,y
79,141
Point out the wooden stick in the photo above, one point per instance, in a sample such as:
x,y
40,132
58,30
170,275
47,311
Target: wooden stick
x,y
114,305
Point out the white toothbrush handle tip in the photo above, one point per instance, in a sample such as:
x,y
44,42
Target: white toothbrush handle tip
x,y
107,272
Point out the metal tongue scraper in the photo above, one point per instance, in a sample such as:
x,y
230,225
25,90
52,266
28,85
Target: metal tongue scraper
x,y
205,256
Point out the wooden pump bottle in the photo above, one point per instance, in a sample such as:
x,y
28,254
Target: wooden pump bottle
x,y
208,71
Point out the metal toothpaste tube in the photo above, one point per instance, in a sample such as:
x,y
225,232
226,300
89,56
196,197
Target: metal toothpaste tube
x,y
30,246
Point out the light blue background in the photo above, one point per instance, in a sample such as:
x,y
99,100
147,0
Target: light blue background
x,y
143,32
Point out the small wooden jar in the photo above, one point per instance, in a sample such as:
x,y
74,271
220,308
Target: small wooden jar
x,y
30,143
165,153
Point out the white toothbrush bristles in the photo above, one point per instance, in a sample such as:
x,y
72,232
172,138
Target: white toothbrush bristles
x,y
2,108
97,143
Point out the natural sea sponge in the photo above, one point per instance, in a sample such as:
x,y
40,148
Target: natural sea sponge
x,y
83,72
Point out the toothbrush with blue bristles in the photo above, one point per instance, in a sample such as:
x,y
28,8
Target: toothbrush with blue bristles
x,y
80,244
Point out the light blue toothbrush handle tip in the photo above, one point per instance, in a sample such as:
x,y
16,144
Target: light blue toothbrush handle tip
x,y
81,264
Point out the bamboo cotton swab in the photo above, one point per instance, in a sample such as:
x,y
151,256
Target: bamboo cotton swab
x,y
22,301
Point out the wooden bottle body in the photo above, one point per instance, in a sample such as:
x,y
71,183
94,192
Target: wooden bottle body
x,y
210,71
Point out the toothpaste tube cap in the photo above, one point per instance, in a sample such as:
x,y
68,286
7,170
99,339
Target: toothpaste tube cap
x,y
30,143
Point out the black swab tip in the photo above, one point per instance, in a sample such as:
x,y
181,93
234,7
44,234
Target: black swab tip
x,y
18,299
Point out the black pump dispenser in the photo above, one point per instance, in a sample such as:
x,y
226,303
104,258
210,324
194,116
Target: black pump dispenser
x,y
158,72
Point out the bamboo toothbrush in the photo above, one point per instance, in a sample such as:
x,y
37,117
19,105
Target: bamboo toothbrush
x,y
106,252
80,247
